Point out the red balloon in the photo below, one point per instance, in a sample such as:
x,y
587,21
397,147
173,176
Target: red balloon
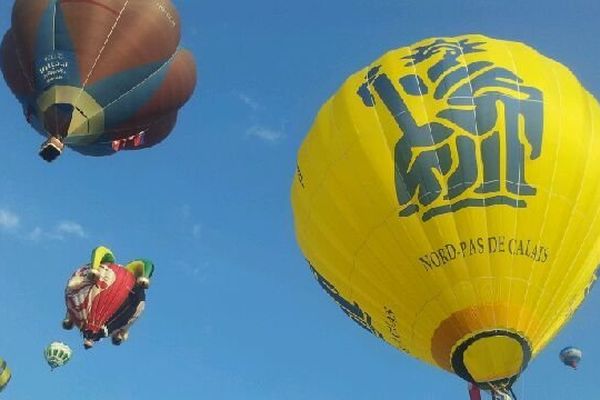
x,y
103,303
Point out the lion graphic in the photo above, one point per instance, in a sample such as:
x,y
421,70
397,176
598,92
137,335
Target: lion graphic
x,y
472,150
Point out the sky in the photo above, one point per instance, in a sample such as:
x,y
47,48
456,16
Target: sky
x,y
233,311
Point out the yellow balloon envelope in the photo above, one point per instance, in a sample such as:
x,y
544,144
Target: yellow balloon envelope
x,y
5,374
447,197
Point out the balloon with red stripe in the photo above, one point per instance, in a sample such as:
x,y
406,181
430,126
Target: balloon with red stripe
x,y
104,298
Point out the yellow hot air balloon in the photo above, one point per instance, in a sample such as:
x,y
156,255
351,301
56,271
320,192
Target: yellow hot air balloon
x,y
447,198
5,374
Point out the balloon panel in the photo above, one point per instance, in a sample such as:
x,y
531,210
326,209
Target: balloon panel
x,y
5,374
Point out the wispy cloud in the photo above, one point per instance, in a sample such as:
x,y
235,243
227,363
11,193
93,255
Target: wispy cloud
x,y
189,224
61,231
265,133
36,234
12,224
249,101
71,228
196,271
8,220
259,130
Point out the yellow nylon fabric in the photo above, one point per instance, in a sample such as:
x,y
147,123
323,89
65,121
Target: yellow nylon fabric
x,y
508,357
501,230
100,255
4,377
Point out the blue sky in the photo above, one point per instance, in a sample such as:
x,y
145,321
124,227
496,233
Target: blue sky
x,y
234,312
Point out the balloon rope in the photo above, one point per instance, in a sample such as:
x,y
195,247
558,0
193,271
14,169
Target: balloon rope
x,y
106,41
503,390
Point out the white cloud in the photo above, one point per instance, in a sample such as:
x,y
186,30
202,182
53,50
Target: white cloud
x,y
187,220
35,234
249,101
10,222
259,130
193,270
70,228
264,133
60,232
8,219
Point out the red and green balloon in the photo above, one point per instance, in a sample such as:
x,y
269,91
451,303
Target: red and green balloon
x,y
104,298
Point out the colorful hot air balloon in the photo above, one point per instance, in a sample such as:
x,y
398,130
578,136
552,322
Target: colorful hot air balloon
x,y
571,356
57,354
5,374
104,298
97,76
447,199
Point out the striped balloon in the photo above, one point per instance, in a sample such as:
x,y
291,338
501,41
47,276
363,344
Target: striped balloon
x,y
5,374
98,77
104,298
57,354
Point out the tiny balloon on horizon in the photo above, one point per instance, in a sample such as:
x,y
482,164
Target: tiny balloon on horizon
x,y
571,356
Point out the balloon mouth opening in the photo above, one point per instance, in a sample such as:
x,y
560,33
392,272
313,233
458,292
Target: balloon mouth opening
x,y
491,359
57,119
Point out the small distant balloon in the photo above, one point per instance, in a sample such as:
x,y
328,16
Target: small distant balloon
x,y
5,374
57,354
571,356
